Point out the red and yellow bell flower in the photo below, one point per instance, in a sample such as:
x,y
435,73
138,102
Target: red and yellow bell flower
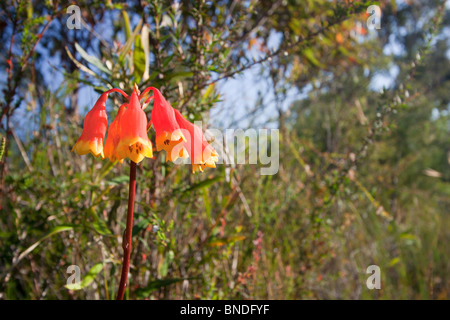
x,y
202,154
113,138
168,133
95,125
127,134
134,142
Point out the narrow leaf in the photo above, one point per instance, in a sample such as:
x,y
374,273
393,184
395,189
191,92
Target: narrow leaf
x,y
88,279
92,60
55,230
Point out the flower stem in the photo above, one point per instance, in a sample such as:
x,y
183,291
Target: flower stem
x,y
126,242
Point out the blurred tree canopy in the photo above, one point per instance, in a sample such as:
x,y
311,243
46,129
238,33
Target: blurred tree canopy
x,y
364,150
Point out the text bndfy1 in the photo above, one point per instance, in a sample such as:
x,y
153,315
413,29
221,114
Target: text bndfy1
x,y
227,309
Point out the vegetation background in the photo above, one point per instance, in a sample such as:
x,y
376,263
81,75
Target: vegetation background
x,y
364,150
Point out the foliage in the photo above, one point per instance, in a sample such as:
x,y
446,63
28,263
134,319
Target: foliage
x,y
364,175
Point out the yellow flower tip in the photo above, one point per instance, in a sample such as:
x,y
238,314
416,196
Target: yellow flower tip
x,y
166,141
211,164
195,167
177,151
209,159
136,149
95,147
172,143
102,155
178,135
201,167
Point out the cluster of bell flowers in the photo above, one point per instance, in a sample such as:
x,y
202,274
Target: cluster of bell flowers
x,y
127,134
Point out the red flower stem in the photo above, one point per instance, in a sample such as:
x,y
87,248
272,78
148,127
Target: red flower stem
x,y
126,242
145,91
119,91
148,100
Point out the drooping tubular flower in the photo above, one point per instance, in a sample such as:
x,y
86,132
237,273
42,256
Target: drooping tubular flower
x,y
177,136
169,135
132,127
95,124
202,154
113,138
127,134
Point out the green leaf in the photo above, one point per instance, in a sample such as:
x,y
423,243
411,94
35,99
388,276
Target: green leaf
x,y
164,267
177,76
79,65
88,279
167,60
119,180
92,60
394,261
127,47
5,235
101,227
107,167
203,184
309,54
295,26
141,225
208,92
139,59
53,231
408,236
126,20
